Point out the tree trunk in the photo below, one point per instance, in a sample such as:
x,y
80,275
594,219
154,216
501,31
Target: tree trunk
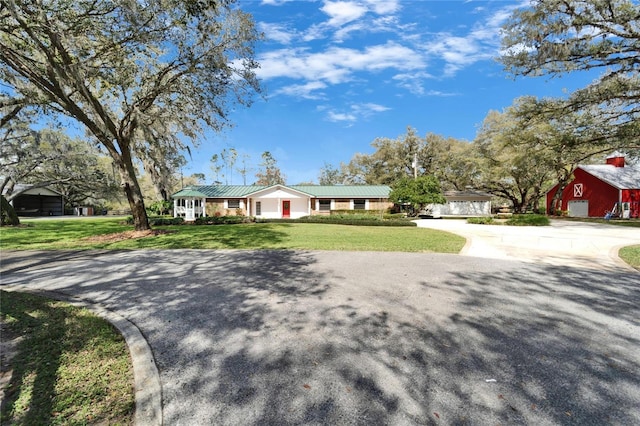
x,y
132,190
8,215
556,202
564,176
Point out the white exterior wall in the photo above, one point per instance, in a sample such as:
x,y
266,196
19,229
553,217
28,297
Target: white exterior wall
x,y
272,204
463,208
270,208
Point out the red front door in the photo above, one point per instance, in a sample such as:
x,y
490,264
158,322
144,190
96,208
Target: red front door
x,y
286,208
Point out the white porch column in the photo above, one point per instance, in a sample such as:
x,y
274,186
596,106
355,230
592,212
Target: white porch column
x,y
204,207
175,207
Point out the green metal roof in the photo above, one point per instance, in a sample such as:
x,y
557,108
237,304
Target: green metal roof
x,y
345,191
320,191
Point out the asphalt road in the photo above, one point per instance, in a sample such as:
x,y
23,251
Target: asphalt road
x,y
328,338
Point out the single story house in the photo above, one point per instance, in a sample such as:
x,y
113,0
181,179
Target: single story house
x,y
463,203
595,190
277,201
37,201
295,201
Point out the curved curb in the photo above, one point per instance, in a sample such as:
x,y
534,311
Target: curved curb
x,y
148,391
614,254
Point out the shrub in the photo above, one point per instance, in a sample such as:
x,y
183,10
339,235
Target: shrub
x,y
528,220
159,220
163,221
485,220
343,220
160,207
222,220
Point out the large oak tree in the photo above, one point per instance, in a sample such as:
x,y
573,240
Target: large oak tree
x,y
555,37
126,68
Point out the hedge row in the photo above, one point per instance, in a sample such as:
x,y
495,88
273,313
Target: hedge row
x,y
363,220
342,220
159,220
528,220
222,220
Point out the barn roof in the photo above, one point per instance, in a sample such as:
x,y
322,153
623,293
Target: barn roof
x,y
627,177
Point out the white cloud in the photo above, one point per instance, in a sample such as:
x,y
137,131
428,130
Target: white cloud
x,y
346,17
354,112
275,2
337,65
306,91
382,7
276,32
343,12
336,117
408,53
413,82
369,107
481,43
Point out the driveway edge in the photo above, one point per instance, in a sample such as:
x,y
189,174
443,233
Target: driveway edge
x,y
613,254
148,391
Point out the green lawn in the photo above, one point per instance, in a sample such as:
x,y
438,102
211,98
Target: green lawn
x,y
631,255
74,234
70,367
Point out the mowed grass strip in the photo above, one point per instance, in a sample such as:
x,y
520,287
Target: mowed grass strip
x,y
631,255
75,234
70,367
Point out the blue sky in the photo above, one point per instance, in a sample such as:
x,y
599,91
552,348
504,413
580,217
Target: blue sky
x,y
338,74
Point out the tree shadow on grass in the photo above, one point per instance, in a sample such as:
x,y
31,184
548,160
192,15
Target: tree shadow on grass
x,y
36,394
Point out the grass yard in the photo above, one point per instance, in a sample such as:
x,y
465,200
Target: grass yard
x,y
69,367
82,233
631,255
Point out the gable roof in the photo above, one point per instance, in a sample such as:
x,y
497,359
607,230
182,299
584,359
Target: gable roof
x,y
319,191
27,189
627,177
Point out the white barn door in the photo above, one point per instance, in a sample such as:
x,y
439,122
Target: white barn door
x,y
578,208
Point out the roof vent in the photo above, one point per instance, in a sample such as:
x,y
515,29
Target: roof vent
x,y
616,159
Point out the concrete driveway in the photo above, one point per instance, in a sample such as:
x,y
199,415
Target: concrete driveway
x,y
564,243
326,338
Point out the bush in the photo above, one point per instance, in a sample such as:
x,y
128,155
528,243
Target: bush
x,y
485,220
528,220
222,220
160,207
163,221
357,220
159,220
356,212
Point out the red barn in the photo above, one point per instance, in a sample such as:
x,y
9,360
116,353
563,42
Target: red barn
x,y
599,189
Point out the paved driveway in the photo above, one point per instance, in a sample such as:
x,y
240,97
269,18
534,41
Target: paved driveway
x,y
564,243
292,337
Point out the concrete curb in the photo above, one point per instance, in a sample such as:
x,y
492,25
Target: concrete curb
x,y
614,254
148,391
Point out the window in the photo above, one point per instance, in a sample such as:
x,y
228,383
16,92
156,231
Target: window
x,y
324,205
359,204
233,204
258,208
